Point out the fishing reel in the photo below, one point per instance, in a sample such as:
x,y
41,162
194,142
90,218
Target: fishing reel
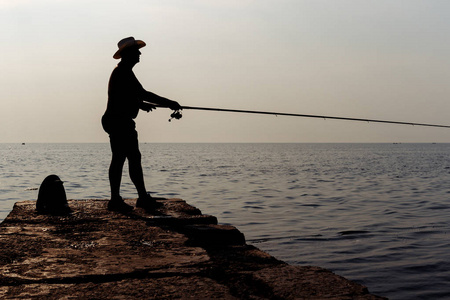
x,y
176,115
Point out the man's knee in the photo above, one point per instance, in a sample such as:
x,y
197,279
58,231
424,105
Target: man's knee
x,y
118,158
134,156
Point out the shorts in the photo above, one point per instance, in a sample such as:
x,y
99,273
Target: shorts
x,y
123,136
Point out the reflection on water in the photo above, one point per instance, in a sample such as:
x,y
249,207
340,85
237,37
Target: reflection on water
x,y
374,213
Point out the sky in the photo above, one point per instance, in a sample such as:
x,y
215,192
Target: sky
x,y
375,59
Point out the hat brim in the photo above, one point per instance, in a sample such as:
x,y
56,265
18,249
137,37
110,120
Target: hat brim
x,y
138,43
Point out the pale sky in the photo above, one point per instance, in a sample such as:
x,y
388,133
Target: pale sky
x,y
380,59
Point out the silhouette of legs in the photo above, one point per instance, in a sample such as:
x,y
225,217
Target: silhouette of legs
x,y
135,171
125,145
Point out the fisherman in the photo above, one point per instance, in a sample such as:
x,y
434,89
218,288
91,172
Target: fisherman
x,y
125,97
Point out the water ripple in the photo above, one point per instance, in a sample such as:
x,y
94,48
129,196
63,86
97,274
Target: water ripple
x,y
375,213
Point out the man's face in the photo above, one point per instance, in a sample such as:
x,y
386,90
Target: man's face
x,y
132,55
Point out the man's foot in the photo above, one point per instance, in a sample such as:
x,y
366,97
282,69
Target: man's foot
x,y
147,203
119,205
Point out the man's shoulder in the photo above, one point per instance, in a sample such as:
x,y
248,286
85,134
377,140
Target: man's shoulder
x,y
119,71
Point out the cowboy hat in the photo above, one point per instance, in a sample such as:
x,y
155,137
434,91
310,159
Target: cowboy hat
x,y
126,43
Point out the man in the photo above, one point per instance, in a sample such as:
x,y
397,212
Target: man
x,y
125,97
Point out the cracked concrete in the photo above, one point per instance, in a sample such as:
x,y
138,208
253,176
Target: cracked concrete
x,y
174,253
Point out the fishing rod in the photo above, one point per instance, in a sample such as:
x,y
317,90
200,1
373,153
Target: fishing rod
x,y
177,115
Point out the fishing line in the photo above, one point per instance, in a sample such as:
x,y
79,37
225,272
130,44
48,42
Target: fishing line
x,y
177,115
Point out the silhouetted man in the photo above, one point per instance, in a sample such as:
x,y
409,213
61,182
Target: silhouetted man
x,y
125,97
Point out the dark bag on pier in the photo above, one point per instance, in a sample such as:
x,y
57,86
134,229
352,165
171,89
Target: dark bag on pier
x,y
52,197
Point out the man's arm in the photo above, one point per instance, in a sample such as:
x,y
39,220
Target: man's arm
x,y
150,99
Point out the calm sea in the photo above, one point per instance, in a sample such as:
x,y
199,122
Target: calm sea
x,y
377,214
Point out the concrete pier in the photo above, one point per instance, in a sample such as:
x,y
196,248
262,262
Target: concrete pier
x,y
175,253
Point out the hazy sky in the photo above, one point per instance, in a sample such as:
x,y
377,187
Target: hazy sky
x,y
367,59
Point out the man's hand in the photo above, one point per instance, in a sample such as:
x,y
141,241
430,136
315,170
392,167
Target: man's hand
x,y
147,106
173,105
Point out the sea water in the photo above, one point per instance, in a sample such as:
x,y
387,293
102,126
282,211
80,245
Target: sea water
x,y
377,214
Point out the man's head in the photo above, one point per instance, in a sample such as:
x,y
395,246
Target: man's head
x,y
131,55
129,49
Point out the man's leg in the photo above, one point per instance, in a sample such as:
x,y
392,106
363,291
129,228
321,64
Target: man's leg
x,y
135,166
137,176
118,148
115,174
136,173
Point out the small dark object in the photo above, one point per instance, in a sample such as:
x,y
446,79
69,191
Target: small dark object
x,y
52,197
176,115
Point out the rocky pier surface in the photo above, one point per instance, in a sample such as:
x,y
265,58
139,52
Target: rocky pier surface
x,y
176,252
